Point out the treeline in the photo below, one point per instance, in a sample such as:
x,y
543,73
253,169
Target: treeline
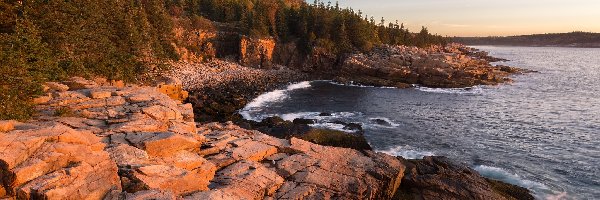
x,y
44,40
326,25
573,39
47,40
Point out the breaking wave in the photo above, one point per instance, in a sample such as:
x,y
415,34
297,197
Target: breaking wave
x,y
467,90
269,97
407,152
540,190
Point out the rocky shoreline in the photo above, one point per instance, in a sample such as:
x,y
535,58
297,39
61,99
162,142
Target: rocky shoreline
x,y
451,66
98,139
104,140
220,88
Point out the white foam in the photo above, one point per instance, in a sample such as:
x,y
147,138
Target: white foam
x,y
467,90
391,123
298,115
343,115
407,152
352,84
540,190
332,126
301,85
270,97
316,115
260,101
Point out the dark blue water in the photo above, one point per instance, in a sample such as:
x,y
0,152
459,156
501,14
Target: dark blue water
x,y
541,132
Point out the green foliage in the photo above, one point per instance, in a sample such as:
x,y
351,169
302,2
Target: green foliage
x,y
26,63
331,27
45,40
49,40
114,39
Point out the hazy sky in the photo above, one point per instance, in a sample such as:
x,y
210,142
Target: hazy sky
x,y
485,17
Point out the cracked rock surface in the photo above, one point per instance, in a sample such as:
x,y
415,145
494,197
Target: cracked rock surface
x,y
95,140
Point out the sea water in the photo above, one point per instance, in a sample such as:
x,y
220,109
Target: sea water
x,y
541,132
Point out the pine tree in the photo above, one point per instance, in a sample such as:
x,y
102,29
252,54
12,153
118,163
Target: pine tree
x,y
26,63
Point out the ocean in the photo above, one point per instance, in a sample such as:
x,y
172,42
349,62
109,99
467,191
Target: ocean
x,y
541,132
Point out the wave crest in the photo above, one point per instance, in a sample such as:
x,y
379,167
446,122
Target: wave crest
x,y
407,152
270,97
467,90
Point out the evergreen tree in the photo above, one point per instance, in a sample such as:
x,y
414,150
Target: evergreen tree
x,y
26,63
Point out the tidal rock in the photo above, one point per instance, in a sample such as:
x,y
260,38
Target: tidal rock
x,y
440,178
328,172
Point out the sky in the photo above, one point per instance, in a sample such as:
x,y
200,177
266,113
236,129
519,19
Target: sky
x,y
485,17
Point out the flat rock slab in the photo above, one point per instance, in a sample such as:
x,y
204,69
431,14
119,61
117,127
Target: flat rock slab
x,y
247,180
172,179
56,162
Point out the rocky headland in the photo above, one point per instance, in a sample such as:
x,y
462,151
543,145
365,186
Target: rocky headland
x,y
106,140
451,66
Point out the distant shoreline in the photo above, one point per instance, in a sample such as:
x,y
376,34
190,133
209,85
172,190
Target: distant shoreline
x,y
573,39
516,45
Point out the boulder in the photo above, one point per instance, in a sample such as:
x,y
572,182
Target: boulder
x,y
139,123
253,151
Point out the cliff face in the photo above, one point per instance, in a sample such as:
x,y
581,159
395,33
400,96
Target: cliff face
x,y
201,40
257,53
397,66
